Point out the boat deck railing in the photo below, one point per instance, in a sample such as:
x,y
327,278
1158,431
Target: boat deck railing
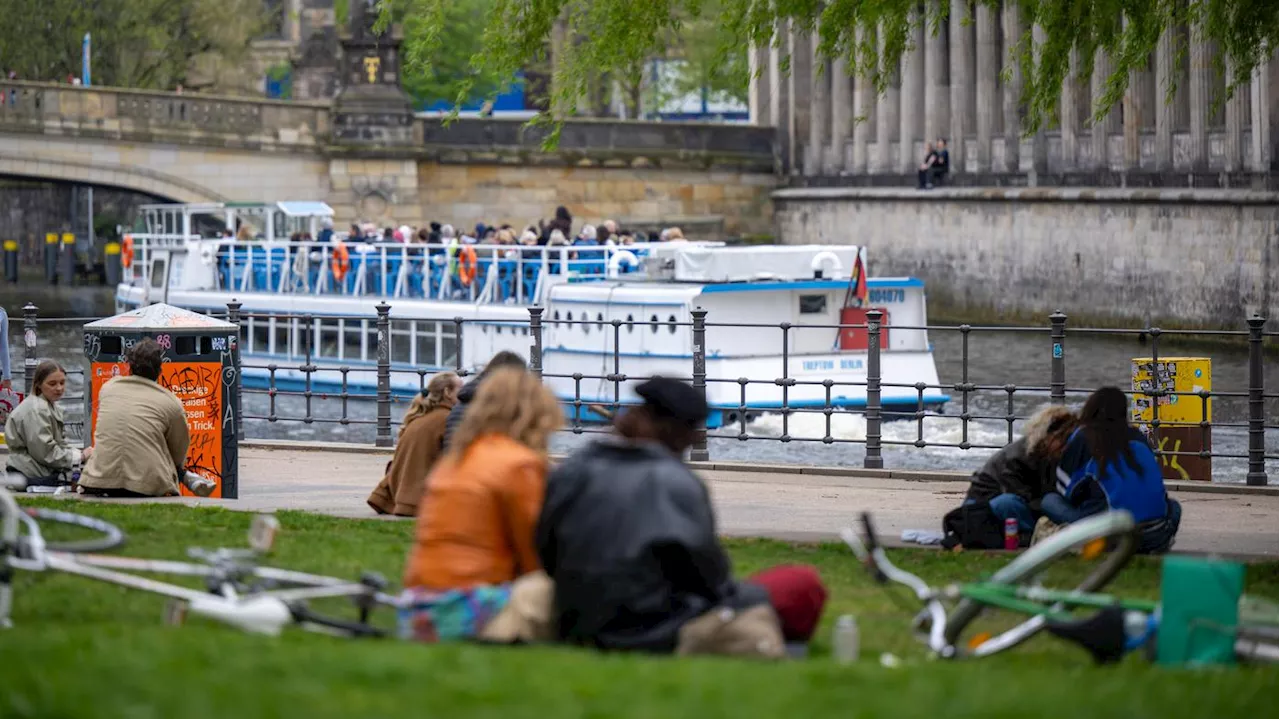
x,y
476,273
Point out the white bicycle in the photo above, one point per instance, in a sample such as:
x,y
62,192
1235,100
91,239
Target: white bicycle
x,y
239,592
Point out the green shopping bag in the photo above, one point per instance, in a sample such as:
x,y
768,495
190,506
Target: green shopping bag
x,y
1199,611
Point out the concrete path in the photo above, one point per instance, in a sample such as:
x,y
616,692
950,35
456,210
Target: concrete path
x,y
784,504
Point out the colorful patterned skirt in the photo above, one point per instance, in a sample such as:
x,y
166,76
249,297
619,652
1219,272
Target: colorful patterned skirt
x,y
427,615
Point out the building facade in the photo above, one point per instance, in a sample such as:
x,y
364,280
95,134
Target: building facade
x,y
960,84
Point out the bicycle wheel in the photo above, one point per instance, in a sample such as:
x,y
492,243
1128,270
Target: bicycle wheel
x,y
111,537
1110,525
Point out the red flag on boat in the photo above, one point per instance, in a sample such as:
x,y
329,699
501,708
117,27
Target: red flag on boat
x,y
859,281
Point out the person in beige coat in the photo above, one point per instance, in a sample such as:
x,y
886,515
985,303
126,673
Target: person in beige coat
x,y
140,437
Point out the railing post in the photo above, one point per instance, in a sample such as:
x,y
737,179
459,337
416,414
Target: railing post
x,y
30,340
383,437
535,349
873,460
233,316
1257,474
698,452
1058,360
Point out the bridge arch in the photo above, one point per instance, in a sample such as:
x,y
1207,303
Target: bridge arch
x,y
139,179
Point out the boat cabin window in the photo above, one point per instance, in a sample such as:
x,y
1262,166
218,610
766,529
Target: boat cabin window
x,y
400,344
653,324
328,338
631,323
671,324
352,332
813,304
157,273
258,334
281,334
425,339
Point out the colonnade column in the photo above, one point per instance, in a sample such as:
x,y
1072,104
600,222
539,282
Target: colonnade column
x,y
1013,88
960,46
841,113
987,70
910,122
937,93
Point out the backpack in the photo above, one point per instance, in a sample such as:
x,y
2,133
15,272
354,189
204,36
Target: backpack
x,y
973,525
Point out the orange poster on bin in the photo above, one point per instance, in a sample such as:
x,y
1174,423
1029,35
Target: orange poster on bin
x,y
199,386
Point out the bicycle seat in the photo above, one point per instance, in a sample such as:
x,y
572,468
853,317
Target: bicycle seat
x,y
1102,635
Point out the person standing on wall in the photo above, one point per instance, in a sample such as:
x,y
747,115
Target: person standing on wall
x,y
6,376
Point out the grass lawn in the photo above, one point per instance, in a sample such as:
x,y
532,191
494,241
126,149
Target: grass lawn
x,y
86,649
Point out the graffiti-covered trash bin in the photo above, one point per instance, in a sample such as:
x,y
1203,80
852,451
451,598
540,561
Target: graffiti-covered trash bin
x,y
201,365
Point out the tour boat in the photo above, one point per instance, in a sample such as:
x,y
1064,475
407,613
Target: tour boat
x,y
606,311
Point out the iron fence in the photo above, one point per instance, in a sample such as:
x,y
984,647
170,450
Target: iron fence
x,y
366,382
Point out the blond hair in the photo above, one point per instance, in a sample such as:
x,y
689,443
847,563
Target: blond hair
x,y
430,398
513,403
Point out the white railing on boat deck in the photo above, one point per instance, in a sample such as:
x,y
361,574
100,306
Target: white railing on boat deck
x,y
511,274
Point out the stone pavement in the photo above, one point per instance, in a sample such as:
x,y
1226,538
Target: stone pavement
x,y
785,504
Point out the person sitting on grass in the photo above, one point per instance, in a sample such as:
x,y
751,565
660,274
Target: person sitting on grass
x,y
38,447
418,447
468,391
1108,464
1014,479
140,436
628,537
473,559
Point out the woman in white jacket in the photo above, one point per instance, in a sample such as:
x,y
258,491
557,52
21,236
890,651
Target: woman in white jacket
x,y
38,448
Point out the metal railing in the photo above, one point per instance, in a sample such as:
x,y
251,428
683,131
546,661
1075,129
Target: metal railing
x,y
353,387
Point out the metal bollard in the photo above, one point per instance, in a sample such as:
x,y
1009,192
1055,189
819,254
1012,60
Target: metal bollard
x,y
1257,474
1058,360
383,437
699,452
873,460
30,340
51,258
535,349
11,260
111,263
67,260
233,316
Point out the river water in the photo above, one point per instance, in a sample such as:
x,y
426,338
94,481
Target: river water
x,y
994,358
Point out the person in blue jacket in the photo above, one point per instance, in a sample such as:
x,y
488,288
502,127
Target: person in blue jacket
x,y
1108,464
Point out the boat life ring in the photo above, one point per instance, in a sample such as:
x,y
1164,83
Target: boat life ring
x,y
620,258
341,262
467,264
126,252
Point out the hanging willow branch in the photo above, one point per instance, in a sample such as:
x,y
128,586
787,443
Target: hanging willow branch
x,y
612,35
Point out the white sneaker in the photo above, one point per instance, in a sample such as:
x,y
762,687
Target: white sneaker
x,y
198,485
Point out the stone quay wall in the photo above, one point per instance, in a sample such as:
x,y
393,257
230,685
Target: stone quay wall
x,y
1202,258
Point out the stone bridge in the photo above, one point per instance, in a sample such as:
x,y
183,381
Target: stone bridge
x,y
711,179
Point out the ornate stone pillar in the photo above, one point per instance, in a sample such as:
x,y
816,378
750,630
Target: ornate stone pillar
x,y
1013,88
1260,106
1165,77
819,113
911,103
841,114
1199,97
887,122
758,91
986,71
937,93
864,128
960,47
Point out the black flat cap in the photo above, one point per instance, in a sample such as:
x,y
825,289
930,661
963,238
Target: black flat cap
x,y
670,398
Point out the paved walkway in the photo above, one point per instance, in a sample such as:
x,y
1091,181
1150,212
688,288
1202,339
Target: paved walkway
x,y
805,507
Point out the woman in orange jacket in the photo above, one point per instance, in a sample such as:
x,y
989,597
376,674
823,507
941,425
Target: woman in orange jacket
x,y
475,533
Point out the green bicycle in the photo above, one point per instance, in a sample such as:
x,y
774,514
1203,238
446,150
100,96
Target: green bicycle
x,y
1119,626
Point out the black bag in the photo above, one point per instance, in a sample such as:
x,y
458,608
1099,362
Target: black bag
x,y
973,526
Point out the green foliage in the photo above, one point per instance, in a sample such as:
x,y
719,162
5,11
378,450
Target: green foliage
x,y
614,35
136,43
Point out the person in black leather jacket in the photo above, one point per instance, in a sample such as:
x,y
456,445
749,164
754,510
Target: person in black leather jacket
x,y
628,535
468,391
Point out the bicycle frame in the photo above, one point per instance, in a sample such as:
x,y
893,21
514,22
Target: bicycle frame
x,y
235,596
1039,601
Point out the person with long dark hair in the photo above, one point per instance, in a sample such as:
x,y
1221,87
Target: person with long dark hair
x,y
1108,464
